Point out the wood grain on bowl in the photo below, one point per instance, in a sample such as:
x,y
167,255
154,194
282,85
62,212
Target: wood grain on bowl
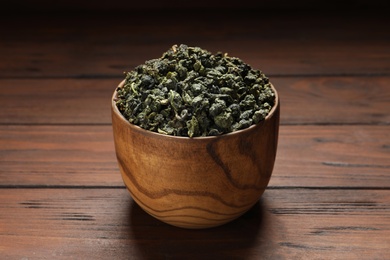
x,y
196,182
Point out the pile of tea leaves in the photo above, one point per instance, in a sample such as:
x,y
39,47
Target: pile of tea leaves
x,y
192,92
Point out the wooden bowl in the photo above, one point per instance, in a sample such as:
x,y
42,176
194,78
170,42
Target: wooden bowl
x,y
196,182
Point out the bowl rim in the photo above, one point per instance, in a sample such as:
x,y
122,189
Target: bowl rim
x,y
116,111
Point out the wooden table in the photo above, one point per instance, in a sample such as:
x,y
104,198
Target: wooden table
x,y
61,193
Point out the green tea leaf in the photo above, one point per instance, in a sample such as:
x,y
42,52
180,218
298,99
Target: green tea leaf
x,y
192,92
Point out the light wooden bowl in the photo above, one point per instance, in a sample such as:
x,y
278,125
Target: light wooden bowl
x,y
197,182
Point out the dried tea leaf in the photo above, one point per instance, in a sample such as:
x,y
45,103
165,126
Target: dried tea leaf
x,y
192,92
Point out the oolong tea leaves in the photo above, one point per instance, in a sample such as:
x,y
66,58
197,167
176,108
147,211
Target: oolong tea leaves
x,y
192,92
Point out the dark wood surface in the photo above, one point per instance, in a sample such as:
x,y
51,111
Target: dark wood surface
x,y
61,193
